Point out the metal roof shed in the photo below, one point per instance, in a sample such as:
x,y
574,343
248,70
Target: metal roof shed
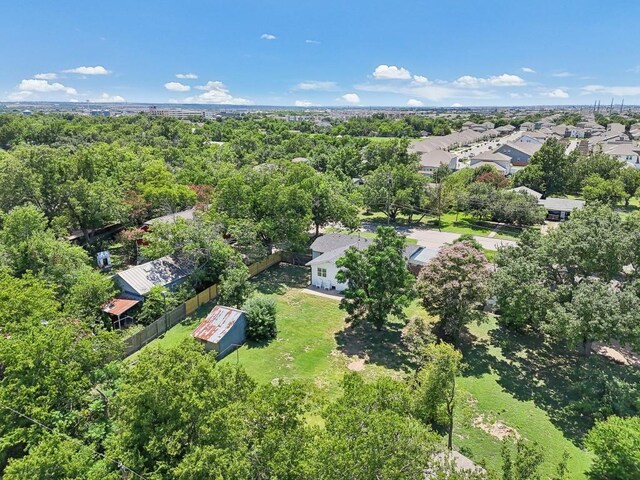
x,y
223,330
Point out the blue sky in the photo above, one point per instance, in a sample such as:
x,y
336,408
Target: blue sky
x,y
330,52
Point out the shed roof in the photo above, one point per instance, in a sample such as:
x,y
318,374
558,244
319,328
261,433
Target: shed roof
x,y
119,305
163,271
217,323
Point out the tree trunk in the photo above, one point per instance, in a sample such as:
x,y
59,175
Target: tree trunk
x,y
317,230
585,348
450,433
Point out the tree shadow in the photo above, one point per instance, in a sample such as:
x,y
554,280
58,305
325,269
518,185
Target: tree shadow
x,y
555,378
279,278
383,348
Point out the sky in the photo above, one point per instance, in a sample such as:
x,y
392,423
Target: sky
x,y
321,53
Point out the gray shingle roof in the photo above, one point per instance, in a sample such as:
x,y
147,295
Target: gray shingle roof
x,y
562,204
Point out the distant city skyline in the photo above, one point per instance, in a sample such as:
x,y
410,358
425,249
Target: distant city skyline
x,y
333,53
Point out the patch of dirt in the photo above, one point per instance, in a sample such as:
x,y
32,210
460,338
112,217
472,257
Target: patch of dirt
x,y
617,353
356,365
495,429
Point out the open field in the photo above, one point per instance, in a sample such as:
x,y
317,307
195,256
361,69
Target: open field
x,y
511,382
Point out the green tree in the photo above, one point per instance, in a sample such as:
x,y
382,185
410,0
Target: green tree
x,y
261,318
454,286
549,170
156,303
522,462
379,282
234,284
88,294
391,189
615,444
608,192
436,395
630,178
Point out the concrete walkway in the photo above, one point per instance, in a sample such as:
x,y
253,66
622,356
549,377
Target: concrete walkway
x,y
330,294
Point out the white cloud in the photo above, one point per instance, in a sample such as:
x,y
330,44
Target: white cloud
x,y
106,98
316,85
630,90
412,102
557,93
391,72
351,98
18,96
187,76
528,70
45,76
420,80
504,80
44,86
268,36
562,74
312,42
97,70
303,103
177,87
456,105
216,93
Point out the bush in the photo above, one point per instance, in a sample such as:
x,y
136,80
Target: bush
x,y
261,318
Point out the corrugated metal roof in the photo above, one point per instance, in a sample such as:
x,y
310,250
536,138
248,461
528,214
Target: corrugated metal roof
x,y
162,271
217,324
117,306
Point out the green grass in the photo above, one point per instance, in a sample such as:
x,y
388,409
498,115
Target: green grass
x,y
496,396
461,223
510,379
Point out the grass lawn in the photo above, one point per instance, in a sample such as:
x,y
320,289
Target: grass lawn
x,y
464,224
509,384
503,402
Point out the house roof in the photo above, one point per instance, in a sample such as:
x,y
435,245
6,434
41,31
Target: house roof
x,y
492,157
528,191
528,148
186,215
436,158
422,255
331,241
493,164
561,204
217,323
626,149
341,243
162,271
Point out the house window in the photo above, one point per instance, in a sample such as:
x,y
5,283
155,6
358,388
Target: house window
x,y
322,272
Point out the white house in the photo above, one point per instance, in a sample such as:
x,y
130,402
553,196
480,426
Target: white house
x,y
327,249
500,161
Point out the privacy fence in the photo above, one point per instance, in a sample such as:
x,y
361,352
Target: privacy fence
x,y
152,331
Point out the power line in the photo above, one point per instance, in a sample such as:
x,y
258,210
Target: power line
x,y
68,437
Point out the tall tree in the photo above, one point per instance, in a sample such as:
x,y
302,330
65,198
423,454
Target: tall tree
x,y
436,395
454,285
379,282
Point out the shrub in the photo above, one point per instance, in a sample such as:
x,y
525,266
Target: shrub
x,y
261,318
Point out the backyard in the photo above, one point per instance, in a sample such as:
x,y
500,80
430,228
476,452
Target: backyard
x,y
513,385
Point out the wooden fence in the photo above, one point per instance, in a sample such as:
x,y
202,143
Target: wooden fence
x,y
152,331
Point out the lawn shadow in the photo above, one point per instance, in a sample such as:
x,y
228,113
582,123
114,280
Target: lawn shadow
x,y
279,278
383,348
475,352
554,377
